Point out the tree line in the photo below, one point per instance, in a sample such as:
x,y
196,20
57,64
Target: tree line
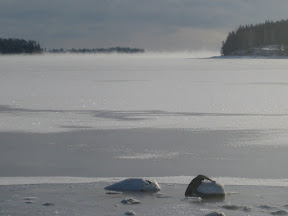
x,y
99,50
270,33
18,46
21,46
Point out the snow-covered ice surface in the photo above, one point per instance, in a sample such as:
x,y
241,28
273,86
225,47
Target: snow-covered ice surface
x,y
91,199
70,125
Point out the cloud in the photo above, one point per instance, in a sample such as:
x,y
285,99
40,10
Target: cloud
x,y
150,24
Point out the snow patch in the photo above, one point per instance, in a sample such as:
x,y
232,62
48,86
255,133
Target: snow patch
x,y
237,207
267,207
146,156
280,212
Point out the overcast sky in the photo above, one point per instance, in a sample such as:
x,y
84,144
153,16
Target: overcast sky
x,y
156,25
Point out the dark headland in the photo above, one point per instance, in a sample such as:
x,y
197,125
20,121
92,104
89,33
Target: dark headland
x,y
264,39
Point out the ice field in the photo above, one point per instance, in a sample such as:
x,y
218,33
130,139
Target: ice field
x,y
72,124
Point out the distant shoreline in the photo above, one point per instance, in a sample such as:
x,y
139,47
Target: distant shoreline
x,y
21,46
248,57
111,50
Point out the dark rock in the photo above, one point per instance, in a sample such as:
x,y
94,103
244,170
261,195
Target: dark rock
x,y
48,204
130,213
130,201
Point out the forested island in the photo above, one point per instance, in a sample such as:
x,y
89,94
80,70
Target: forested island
x,y
17,46
264,39
21,46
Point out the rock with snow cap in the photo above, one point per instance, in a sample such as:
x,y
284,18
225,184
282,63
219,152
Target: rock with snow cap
x,y
135,185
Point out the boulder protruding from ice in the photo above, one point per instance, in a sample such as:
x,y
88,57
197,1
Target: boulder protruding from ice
x,y
130,201
204,187
136,185
211,189
48,204
280,212
215,214
130,213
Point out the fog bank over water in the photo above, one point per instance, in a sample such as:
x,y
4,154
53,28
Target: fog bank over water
x,y
152,54
183,54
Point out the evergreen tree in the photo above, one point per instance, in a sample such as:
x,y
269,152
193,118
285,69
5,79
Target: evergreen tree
x,y
256,36
18,46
